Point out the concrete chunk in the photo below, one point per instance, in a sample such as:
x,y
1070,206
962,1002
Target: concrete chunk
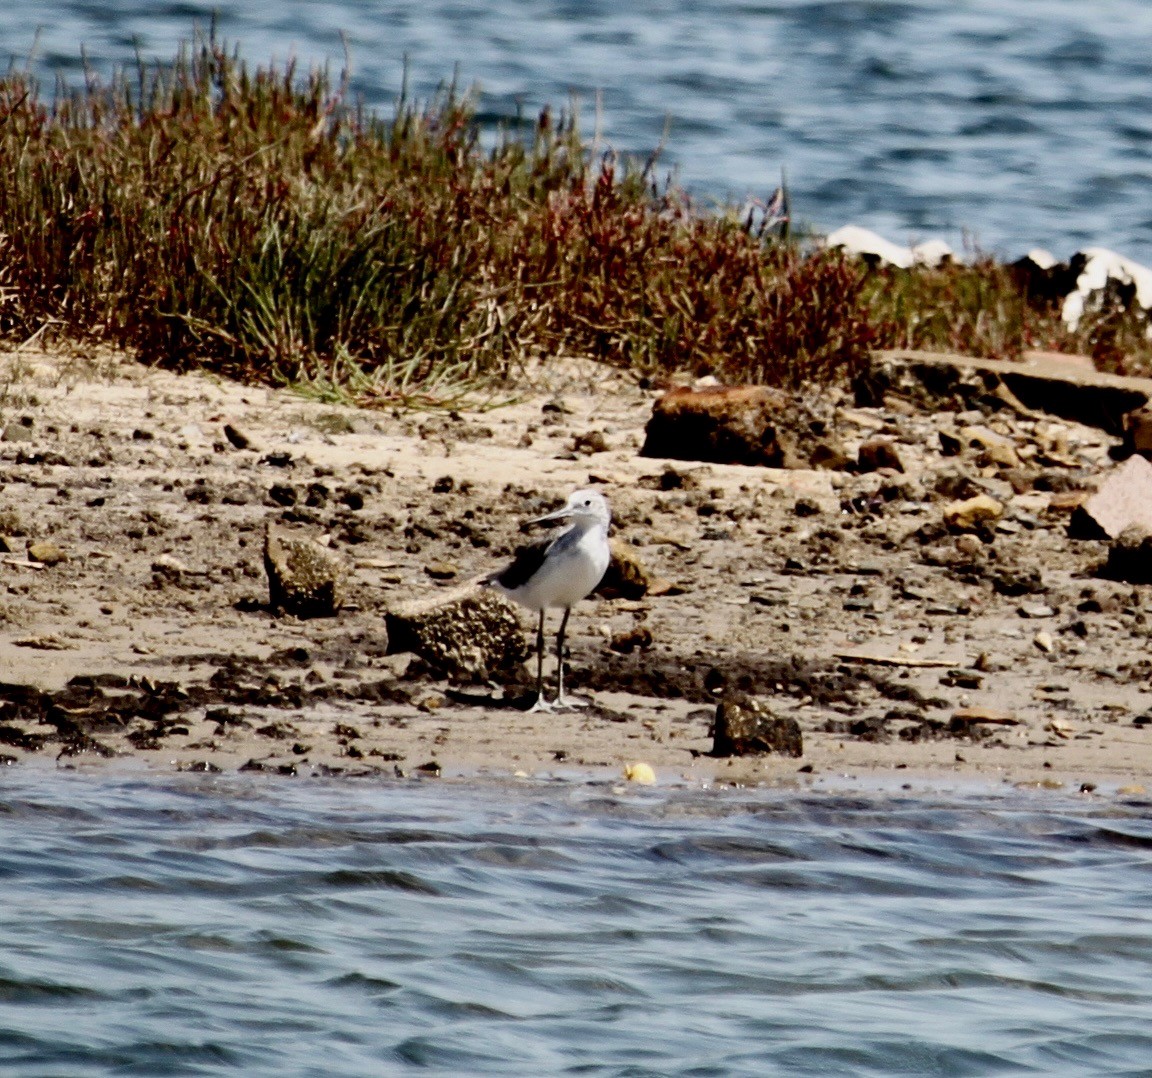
x,y
1123,499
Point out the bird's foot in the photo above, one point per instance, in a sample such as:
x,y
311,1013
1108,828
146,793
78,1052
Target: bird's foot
x,y
541,705
571,701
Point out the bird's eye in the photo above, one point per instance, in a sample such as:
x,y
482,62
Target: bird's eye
x,y
587,501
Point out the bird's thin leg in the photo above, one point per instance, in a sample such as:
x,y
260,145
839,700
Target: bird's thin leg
x,y
561,699
541,704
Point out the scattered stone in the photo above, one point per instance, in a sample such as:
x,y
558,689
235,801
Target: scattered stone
x,y
879,453
440,570
238,437
720,424
1036,610
997,448
638,637
965,719
46,552
591,442
167,563
1130,555
1123,499
744,726
18,432
971,514
305,579
626,576
470,633
1044,641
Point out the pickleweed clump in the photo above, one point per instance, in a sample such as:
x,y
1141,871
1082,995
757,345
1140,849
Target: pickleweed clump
x,y
258,222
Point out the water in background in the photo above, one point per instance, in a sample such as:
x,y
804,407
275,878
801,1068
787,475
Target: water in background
x,y
1022,123
180,926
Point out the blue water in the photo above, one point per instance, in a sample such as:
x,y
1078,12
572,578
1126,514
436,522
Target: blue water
x,y
295,927
1020,123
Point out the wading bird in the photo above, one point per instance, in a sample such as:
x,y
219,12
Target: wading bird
x,y
556,573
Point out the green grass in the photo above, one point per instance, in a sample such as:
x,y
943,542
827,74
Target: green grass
x,y
257,222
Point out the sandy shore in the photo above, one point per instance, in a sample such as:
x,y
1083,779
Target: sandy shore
x,y
838,598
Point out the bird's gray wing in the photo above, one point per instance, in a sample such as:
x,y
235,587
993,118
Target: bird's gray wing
x,y
524,565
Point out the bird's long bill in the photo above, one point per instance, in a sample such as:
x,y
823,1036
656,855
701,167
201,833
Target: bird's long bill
x,y
559,514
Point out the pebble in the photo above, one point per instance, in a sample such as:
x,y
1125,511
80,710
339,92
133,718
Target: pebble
x,y
1043,640
46,552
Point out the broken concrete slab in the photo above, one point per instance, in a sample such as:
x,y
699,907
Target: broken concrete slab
x,y
1055,388
1123,498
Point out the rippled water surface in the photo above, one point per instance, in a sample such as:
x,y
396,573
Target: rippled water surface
x,y
204,927
1023,122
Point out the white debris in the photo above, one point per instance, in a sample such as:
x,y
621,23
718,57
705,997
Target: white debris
x,y
932,253
862,241
1100,267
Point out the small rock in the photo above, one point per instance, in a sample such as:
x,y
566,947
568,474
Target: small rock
x,y
1130,555
440,570
238,437
18,432
971,514
879,453
1043,640
997,448
166,563
471,633
639,636
591,442
744,726
626,576
964,717
305,579
46,552
1036,610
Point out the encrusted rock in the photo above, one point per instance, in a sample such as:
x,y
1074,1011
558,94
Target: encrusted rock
x,y
1130,555
721,424
744,726
970,514
470,633
626,576
304,578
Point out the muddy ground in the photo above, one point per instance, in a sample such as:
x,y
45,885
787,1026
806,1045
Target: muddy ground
x,y
903,648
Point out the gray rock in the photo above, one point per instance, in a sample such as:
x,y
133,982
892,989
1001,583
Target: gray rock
x,y
744,726
470,633
305,579
18,432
